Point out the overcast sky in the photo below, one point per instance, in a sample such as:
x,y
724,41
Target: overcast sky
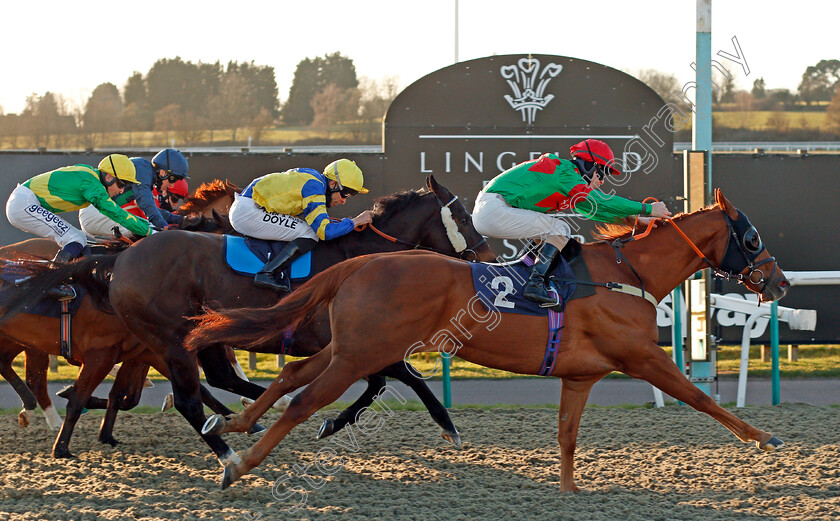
x,y
71,47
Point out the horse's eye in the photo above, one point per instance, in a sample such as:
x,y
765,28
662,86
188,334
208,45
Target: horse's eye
x,y
752,241
464,221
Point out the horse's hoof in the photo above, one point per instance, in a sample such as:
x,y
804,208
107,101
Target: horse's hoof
x,y
773,443
282,404
327,429
25,418
65,393
109,441
245,401
214,425
229,475
168,402
62,454
452,437
148,384
256,429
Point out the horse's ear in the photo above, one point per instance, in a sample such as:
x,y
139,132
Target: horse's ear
x,y
436,188
725,205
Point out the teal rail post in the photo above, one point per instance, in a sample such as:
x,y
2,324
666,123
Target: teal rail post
x,y
774,351
676,340
447,390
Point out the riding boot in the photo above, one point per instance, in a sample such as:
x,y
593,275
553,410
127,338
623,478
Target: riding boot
x,y
536,288
69,252
272,275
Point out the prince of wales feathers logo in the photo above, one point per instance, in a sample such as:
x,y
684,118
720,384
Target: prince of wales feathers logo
x,y
528,85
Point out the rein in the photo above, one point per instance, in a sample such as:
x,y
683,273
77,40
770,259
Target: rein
x,y
420,246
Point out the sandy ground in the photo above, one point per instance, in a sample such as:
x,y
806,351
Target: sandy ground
x,y
641,464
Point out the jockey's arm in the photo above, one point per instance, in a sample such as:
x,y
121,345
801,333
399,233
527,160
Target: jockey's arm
x,y
146,201
98,197
602,207
315,214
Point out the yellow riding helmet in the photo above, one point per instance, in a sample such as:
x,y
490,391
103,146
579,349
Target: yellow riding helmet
x,y
347,174
119,166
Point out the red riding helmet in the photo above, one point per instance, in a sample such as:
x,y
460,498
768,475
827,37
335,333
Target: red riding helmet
x,y
595,151
180,187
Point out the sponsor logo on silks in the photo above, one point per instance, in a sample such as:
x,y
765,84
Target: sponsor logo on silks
x,y
50,219
286,221
528,85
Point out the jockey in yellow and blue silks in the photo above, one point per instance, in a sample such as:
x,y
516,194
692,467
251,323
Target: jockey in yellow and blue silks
x,y
292,206
33,205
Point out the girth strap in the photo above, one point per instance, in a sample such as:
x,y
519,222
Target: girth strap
x,y
65,331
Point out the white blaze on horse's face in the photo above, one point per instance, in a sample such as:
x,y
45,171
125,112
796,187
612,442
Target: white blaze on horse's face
x,y
455,237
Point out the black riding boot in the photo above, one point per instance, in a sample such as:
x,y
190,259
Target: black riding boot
x,y
272,276
536,288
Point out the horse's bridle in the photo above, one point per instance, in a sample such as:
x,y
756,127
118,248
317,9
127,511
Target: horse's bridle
x,y
461,254
740,259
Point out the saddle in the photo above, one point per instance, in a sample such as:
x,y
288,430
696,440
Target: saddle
x,y
247,256
61,302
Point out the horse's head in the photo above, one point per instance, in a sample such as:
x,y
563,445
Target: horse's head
x,y
746,259
216,223
435,219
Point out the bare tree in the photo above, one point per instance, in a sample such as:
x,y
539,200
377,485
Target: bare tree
x,y
333,105
234,106
166,119
103,112
666,85
833,111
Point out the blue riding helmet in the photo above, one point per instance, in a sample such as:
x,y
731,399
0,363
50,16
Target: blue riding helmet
x,y
172,161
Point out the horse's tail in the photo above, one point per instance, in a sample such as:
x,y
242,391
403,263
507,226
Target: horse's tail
x,y
92,273
255,328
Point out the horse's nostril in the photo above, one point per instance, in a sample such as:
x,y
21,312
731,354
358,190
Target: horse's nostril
x,y
784,283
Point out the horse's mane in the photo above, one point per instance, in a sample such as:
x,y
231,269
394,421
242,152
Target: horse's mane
x,y
623,228
385,207
206,194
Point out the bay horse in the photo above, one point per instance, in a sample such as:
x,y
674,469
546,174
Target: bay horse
x,y
196,276
97,337
379,311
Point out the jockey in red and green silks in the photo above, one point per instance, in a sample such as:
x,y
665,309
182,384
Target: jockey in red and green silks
x,y
517,204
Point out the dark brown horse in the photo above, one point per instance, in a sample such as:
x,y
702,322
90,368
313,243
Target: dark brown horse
x,y
98,338
378,311
195,276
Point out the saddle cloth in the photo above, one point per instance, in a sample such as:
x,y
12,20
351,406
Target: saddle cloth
x,y
247,256
13,273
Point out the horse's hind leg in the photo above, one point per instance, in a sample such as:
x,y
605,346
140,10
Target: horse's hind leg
x,y
572,401
22,390
221,374
658,369
95,367
325,389
293,376
376,383
37,363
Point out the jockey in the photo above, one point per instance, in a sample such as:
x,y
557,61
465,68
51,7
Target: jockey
x,y
33,204
514,205
165,169
292,206
172,199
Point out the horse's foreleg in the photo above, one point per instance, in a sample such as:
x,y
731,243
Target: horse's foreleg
x,y
293,376
37,363
325,389
222,375
124,395
658,369
572,401
376,383
94,369
436,409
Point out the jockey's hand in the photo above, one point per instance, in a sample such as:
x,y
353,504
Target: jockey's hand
x,y
644,221
363,218
659,210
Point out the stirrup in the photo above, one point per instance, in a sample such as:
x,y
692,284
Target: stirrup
x,y
542,298
62,292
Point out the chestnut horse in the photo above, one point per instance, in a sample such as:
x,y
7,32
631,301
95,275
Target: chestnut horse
x,y
379,310
196,275
96,336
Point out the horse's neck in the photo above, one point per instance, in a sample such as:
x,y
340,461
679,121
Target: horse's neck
x,y
665,259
